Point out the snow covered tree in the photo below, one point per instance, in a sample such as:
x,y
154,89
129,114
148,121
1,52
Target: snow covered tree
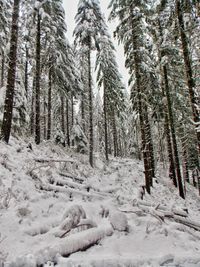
x,y
89,25
172,65
108,76
132,32
5,14
8,107
37,79
79,138
188,66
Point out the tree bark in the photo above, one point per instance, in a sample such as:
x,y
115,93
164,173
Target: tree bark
x,y
37,85
32,119
26,73
105,121
8,105
115,141
62,114
91,138
188,68
150,147
172,172
83,112
2,69
44,117
49,104
67,122
185,163
72,108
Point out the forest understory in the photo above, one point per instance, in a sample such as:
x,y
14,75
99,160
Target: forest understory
x,y
56,210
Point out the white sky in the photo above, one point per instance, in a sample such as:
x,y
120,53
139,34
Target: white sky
x,y
70,7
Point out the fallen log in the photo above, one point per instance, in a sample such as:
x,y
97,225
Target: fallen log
x,y
161,215
74,243
83,223
82,186
63,247
70,184
141,203
78,179
70,191
187,222
54,160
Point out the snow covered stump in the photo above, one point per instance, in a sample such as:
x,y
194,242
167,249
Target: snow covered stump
x,y
119,221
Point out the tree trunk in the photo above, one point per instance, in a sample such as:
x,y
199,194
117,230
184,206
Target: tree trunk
x,y
8,105
91,138
115,141
185,163
172,169
109,136
26,74
72,124
49,104
138,143
172,172
105,121
32,119
44,117
150,147
171,121
188,68
147,170
83,112
2,69
37,85
67,123
62,114
72,103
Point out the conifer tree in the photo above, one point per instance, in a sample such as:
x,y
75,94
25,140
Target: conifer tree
x,y
89,25
131,32
188,68
108,76
8,107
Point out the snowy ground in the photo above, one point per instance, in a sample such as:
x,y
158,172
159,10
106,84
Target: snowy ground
x,y
34,197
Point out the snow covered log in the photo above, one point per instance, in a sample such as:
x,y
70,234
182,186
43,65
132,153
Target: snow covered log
x,y
54,160
70,191
75,179
61,182
71,244
161,215
187,222
142,204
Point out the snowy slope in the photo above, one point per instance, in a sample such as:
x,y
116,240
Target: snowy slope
x,y
37,188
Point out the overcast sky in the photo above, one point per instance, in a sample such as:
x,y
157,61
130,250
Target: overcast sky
x,y
70,7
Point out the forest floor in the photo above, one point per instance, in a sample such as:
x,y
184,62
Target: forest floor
x,y
39,184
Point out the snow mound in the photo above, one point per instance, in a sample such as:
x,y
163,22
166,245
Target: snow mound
x,y
119,221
